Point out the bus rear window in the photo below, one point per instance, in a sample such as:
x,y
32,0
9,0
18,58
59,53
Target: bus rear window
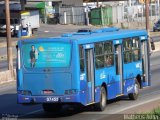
x,y
41,55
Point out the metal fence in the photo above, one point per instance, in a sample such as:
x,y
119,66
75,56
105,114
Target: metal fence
x,y
117,14
135,15
120,14
71,15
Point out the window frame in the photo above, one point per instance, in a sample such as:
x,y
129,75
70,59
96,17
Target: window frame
x,y
135,49
131,50
81,58
104,54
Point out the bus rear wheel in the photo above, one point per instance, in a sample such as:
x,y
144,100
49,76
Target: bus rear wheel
x,y
103,99
49,107
134,96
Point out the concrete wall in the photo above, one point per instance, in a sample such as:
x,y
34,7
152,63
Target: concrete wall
x,y
74,15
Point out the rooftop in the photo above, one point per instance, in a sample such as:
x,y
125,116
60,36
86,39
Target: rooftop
x,y
84,37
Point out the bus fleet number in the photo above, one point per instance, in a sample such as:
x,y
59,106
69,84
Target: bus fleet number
x,y
52,99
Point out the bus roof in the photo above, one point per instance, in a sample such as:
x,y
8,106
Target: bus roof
x,y
89,36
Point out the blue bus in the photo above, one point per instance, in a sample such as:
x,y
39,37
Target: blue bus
x,y
87,67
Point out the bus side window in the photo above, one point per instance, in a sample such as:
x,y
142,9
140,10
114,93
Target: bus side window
x,y
99,55
136,49
127,48
109,60
109,56
81,56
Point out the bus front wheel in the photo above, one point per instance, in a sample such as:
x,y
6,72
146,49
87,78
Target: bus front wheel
x,y
134,96
49,107
103,99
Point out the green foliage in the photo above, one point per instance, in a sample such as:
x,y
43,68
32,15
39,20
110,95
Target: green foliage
x,y
156,111
153,115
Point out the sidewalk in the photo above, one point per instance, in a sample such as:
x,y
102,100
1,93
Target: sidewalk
x,y
141,109
157,47
5,77
147,107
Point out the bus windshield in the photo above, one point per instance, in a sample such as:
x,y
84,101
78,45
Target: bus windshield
x,y
41,55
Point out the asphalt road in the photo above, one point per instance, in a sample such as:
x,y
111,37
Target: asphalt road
x,y
9,106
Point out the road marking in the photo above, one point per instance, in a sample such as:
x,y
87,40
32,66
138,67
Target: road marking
x,y
142,103
33,112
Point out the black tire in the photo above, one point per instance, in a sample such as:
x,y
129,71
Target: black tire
x,y
134,96
103,100
49,107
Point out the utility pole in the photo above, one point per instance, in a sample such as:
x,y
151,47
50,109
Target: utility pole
x,y
147,21
147,15
97,3
9,42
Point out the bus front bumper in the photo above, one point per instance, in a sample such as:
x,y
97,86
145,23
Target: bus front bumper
x,y
48,99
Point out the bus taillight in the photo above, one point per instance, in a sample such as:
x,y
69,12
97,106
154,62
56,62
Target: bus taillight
x,y
48,92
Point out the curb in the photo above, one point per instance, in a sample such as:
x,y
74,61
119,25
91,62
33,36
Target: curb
x,y
6,77
157,47
4,44
138,105
139,109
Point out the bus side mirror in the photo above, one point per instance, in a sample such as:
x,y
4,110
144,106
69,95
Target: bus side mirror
x,y
152,45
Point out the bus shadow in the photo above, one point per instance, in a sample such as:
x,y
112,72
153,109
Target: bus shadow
x,y
122,98
69,111
10,108
36,111
66,111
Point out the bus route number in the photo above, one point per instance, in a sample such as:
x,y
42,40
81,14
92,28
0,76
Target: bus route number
x,y
52,99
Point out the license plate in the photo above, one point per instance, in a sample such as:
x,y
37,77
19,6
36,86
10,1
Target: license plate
x,y
52,99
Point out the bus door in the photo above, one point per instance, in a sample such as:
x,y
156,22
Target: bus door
x,y
90,72
145,63
119,67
